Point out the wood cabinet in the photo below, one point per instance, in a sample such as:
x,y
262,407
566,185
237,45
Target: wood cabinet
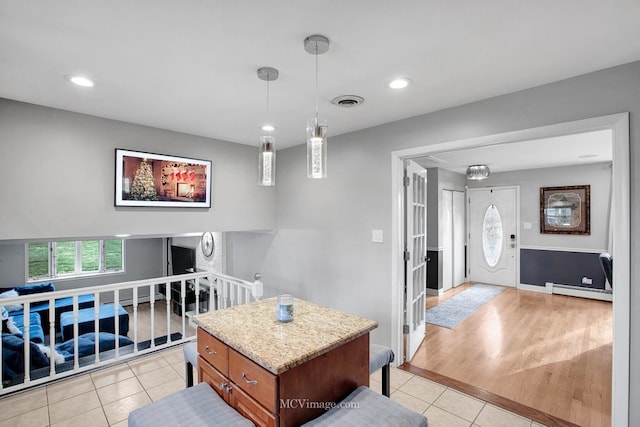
x,y
244,385
291,397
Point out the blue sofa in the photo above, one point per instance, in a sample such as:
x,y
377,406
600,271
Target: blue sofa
x,y
61,305
39,366
36,333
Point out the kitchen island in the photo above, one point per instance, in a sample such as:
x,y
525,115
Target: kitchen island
x,y
283,373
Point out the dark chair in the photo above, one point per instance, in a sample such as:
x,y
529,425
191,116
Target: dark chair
x,y
607,266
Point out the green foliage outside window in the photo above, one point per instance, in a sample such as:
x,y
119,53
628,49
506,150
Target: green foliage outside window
x,y
55,259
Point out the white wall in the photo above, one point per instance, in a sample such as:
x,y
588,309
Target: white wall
x,y
58,178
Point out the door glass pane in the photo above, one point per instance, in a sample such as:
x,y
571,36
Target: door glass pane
x,y
492,236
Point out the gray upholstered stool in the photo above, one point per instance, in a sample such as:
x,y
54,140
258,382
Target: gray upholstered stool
x,y
365,407
381,356
194,406
190,351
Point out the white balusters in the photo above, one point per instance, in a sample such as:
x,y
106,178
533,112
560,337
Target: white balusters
x,y
223,291
135,319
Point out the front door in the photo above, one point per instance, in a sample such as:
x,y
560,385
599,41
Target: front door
x,y
493,239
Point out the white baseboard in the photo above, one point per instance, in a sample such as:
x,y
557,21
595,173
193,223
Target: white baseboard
x,y
435,292
126,302
534,288
575,291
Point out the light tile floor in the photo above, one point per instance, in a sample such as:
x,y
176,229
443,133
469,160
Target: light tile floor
x,y
105,397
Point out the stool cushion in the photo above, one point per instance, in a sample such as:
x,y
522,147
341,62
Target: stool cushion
x,y
195,406
86,321
379,356
365,407
190,351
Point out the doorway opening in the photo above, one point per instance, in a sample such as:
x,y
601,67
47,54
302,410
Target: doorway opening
x,y
618,124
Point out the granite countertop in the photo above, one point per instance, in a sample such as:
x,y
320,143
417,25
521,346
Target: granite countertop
x,y
252,329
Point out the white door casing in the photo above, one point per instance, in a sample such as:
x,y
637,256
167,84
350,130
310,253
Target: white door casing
x,y
416,254
493,235
619,124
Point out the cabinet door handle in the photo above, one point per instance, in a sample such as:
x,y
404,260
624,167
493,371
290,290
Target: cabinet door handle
x,y
211,352
248,381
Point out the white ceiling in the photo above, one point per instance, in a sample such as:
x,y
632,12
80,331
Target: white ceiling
x,y
190,66
576,149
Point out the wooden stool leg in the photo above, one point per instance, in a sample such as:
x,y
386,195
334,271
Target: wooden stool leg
x,y
386,380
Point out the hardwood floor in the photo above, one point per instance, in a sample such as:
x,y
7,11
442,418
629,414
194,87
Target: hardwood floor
x,y
551,353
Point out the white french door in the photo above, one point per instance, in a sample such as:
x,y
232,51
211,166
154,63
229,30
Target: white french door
x,y
493,239
415,255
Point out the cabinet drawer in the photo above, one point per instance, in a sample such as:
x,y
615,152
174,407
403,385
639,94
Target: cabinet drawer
x,y
248,408
254,380
209,375
214,351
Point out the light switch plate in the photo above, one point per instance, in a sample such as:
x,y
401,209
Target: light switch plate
x,y
526,226
376,236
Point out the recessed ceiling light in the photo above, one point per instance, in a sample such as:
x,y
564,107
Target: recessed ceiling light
x,y
268,128
587,156
81,81
400,83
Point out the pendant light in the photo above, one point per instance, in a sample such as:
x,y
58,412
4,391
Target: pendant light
x,y
478,172
267,147
316,126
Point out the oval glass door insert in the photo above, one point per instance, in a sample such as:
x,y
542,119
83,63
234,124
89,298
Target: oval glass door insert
x,y
492,236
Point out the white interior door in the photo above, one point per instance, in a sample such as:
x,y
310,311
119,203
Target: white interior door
x,y
493,240
415,256
458,238
446,227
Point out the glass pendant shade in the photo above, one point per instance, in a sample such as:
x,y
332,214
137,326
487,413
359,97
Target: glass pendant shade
x,y
267,161
477,172
317,148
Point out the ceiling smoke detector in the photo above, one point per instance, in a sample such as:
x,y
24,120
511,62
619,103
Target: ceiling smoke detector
x,y
347,101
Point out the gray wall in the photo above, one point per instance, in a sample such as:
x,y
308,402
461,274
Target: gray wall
x,y
323,248
143,260
598,176
58,178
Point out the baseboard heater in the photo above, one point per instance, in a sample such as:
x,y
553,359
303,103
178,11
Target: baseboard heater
x,y
578,291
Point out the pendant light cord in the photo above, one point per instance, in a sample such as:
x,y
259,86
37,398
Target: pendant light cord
x,y
268,99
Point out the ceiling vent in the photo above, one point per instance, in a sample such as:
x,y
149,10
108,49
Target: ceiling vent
x,y
347,101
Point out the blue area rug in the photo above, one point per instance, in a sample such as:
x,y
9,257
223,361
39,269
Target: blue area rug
x,y
457,308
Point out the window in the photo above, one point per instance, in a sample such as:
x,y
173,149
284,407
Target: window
x,y
49,260
492,236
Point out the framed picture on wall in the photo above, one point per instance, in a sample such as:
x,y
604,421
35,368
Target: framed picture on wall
x,y
157,180
565,210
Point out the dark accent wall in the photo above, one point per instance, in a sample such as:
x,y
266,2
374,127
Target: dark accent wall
x,y
562,267
434,270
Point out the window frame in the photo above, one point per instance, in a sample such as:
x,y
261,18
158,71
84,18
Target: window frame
x,y
52,270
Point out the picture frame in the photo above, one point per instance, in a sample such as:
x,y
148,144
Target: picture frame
x,y
158,180
565,210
